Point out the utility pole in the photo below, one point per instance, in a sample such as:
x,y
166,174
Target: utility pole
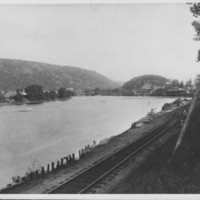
x,y
195,10
187,120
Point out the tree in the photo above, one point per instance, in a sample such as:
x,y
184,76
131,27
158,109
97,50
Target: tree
x,y
181,84
197,80
46,96
18,97
96,91
188,84
195,9
52,95
62,93
34,93
175,83
2,98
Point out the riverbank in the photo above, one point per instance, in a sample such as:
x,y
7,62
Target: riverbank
x,y
164,173
45,183
68,98
31,102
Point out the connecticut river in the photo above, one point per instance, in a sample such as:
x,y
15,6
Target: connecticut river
x,y
56,129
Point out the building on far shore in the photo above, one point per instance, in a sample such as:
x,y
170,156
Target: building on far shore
x,y
174,91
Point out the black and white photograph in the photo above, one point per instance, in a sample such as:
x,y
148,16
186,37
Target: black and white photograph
x,y
99,98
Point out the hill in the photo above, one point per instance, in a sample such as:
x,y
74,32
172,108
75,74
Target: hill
x,y
16,74
145,82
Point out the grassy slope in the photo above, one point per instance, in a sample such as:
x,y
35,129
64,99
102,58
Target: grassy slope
x,y
163,173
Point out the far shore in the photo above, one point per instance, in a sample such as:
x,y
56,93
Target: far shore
x,y
65,99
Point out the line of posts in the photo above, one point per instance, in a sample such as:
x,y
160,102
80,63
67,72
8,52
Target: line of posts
x,y
63,162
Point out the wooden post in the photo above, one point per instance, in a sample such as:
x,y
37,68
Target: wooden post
x,y
52,166
43,171
36,173
82,153
73,156
48,168
61,162
79,154
189,114
198,57
67,159
58,164
70,158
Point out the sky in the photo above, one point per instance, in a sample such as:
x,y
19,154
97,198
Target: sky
x,y
119,41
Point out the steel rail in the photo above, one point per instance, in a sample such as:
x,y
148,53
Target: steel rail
x,y
75,182
125,160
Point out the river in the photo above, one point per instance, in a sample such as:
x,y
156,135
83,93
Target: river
x,y
56,129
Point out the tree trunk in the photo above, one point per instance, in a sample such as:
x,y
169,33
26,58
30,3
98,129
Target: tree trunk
x,y
193,103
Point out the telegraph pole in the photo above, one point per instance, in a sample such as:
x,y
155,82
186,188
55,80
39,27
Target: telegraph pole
x,y
187,120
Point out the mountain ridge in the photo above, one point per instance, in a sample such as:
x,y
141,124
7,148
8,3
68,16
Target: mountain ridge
x,y
15,74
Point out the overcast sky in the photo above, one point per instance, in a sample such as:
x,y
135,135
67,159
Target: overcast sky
x,y
119,41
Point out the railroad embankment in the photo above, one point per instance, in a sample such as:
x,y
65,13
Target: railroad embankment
x,y
164,173
48,181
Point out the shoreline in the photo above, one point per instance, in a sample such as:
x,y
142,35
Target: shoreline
x,y
93,154
31,103
65,99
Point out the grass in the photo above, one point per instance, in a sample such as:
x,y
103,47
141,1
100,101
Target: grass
x,y
164,173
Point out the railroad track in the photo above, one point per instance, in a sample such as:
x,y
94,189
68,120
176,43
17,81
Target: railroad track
x,y
85,180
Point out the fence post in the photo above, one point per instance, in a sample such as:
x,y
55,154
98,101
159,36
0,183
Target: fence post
x,y
73,156
79,154
52,166
70,158
43,171
36,173
67,159
58,164
48,168
61,162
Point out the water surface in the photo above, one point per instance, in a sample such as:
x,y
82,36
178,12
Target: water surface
x,y
55,129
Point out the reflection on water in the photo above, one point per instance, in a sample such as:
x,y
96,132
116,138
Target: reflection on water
x,y
55,129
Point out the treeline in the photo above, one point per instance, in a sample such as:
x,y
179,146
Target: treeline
x,y
170,88
108,92
37,93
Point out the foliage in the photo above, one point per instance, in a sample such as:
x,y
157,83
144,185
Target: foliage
x,y
31,173
2,98
195,9
197,80
16,179
52,95
174,83
34,92
181,84
96,91
140,81
46,96
63,93
18,97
